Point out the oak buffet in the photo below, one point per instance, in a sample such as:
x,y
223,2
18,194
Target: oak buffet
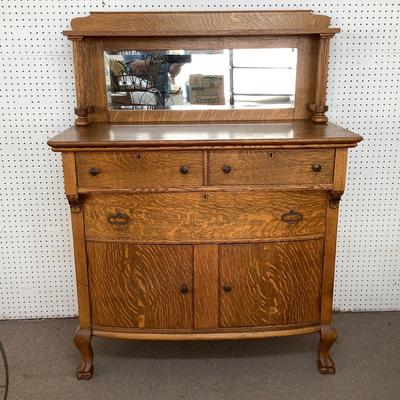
x,y
203,223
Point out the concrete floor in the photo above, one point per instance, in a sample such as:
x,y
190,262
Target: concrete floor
x,y
42,362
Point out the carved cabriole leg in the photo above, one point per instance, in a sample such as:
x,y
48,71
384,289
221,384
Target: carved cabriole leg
x,y
83,334
328,337
328,334
82,340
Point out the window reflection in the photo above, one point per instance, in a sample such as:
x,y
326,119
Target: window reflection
x,y
209,79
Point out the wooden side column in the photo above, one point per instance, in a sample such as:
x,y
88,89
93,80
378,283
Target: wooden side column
x,y
320,108
82,338
81,109
328,334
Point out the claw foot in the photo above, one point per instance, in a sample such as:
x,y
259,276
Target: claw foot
x,y
82,340
328,337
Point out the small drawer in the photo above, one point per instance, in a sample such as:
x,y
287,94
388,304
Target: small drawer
x,y
271,167
127,170
196,216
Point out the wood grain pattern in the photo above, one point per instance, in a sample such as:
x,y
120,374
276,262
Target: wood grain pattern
x,y
330,242
140,286
200,23
293,133
193,43
221,334
210,216
206,286
193,116
139,169
320,106
270,284
307,63
78,235
271,167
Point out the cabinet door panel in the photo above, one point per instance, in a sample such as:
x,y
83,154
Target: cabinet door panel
x,y
270,284
140,286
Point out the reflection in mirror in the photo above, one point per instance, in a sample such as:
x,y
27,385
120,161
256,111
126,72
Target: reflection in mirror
x,y
201,79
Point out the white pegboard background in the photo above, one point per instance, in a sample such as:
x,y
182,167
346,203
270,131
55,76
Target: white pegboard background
x,y
37,100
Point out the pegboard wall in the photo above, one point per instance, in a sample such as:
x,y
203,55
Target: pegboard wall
x,y
37,98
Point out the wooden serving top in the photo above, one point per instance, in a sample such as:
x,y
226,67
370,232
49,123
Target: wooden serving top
x,y
299,133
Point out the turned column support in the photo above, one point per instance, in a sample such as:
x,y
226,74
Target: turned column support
x,y
319,108
82,109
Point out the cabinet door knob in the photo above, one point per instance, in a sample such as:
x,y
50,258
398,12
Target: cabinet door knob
x,y
93,171
292,217
226,169
184,169
227,288
118,219
184,288
316,167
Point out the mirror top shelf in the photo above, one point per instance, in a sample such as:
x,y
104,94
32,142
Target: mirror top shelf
x,y
301,133
200,23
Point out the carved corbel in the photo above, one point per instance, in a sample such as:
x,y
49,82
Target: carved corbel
x,y
334,197
75,202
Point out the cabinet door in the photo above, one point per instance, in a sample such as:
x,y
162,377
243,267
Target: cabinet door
x,y
270,284
141,286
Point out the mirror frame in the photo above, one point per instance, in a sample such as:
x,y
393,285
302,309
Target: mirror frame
x,y
109,31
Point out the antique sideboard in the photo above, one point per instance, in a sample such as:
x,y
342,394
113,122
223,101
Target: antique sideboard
x,y
206,210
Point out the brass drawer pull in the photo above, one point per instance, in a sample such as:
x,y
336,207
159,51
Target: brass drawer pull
x,y
227,288
292,217
184,288
118,219
316,167
226,169
93,171
184,169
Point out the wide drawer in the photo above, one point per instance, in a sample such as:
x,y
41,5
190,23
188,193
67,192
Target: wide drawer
x,y
271,167
126,170
158,217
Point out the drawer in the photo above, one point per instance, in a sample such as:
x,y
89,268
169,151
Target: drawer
x,y
126,170
271,167
195,216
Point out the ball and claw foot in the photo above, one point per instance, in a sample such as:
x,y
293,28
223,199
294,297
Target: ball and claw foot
x,y
82,340
328,337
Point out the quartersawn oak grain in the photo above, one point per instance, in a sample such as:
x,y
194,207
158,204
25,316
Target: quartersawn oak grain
x,y
215,215
263,167
116,170
160,273
271,133
140,286
271,284
200,23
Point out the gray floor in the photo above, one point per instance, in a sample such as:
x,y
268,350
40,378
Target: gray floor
x,y
42,362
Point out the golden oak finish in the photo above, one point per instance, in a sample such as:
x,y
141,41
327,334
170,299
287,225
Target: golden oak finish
x,y
270,284
221,23
281,134
271,167
220,224
191,217
139,169
126,289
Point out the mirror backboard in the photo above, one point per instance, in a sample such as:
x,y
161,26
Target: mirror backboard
x,y
258,78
